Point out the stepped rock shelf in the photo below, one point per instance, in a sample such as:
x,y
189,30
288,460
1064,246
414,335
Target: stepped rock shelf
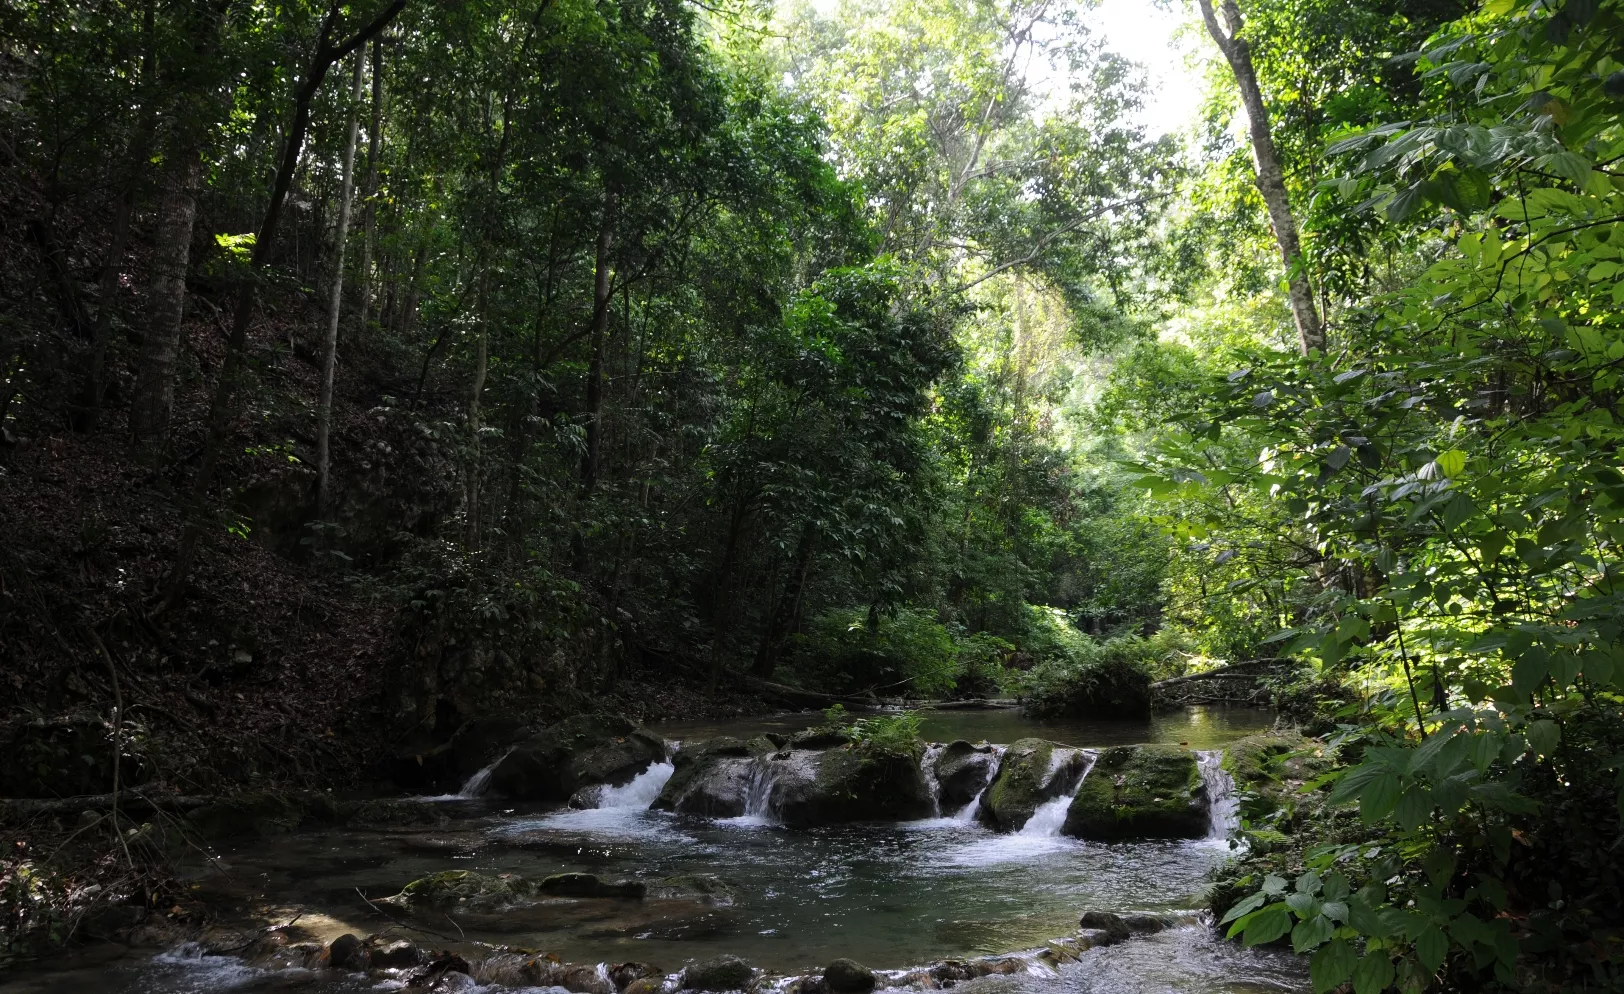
x,y
601,858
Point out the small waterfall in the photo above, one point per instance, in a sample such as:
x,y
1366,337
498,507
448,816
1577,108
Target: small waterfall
x,y
927,766
1223,806
967,814
641,791
481,781
1047,820
758,795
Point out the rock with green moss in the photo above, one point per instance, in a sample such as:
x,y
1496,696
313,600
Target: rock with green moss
x,y
1031,772
462,889
556,762
1140,792
1269,770
848,783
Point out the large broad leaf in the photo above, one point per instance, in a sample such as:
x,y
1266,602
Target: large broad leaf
x,y
1246,907
1332,965
1267,925
1431,946
1373,975
1543,736
1378,800
1308,935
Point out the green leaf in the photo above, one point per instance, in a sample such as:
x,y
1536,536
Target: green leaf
x,y
1431,946
1379,798
1267,925
1543,735
1452,462
1245,907
1311,933
1413,808
1373,974
1530,670
1305,905
1332,965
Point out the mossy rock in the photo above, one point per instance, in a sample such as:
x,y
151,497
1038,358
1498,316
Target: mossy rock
x,y
1269,770
851,784
1140,792
462,888
1029,774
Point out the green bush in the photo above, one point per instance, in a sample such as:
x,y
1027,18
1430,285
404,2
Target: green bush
x,y
1077,676
895,734
907,651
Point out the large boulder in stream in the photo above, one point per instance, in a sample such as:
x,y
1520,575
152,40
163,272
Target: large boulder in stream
x,y
846,784
711,778
1140,792
963,771
1032,771
556,762
800,787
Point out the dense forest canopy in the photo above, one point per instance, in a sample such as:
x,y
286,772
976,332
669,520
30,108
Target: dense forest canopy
x,y
369,367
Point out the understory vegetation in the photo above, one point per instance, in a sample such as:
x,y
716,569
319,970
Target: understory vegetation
x,y
368,369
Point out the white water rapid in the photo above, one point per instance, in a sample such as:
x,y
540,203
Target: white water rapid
x,y
641,791
1223,806
967,814
1047,820
758,798
927,766
481,781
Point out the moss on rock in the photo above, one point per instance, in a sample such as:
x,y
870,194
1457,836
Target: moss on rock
x,y
1031,772
1140,792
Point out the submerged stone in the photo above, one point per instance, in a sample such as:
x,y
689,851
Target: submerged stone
x,y
1032,771
1140,792
590,885
845,976
451,888
724,973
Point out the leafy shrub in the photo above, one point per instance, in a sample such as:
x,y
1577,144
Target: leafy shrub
x,y
896,734
1077,676
909,650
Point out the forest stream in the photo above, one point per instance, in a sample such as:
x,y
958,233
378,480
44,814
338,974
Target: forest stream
x,y
894,896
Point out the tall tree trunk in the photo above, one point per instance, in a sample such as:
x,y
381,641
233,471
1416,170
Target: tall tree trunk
x,y
369,193
329,359
220,409
1271,182
166,295
601,293
782,621
481,366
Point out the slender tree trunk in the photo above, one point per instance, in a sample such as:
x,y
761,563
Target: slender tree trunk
x,y
369,212
782,620
601,292
329,360
220,409
166,295
1271,182
481,366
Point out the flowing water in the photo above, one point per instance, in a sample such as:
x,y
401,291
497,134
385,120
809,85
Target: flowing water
x,y
889,895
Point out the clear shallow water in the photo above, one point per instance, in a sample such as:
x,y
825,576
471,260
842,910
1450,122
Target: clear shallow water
x,y
890,896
